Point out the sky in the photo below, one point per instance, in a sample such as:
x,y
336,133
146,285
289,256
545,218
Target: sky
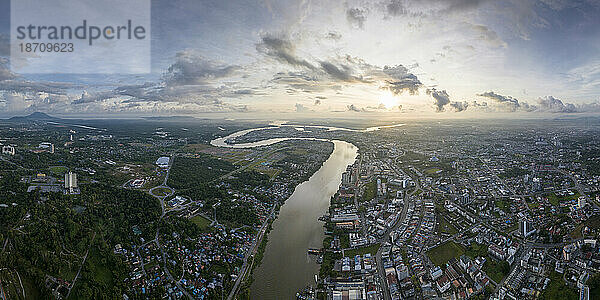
x,y
435,58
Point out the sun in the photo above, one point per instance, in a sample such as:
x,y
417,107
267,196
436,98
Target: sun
x,y
388,100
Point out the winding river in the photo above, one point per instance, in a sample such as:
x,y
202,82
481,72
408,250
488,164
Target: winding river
x,y
286,267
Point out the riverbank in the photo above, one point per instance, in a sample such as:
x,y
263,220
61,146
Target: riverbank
x,y
287,266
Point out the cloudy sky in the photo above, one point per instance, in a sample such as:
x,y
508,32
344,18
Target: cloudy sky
x,y
394,57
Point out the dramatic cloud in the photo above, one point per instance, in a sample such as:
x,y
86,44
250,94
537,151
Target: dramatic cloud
x,y
342,73
191,68
302,82
87,97
401,80
282,49
459,106
441,98
266,57
507,103
30,102
551,104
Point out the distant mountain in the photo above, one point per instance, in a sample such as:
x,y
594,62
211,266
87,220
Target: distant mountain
x,y
36,116
170,118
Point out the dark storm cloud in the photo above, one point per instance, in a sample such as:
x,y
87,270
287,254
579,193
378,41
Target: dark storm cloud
x,y
190,68
441,98
356,17
551,104
401,80
282,49
459,106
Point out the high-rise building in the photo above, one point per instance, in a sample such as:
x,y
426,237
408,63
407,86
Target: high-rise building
x,y
581,202
526,227
45,146
346,177
10,150
70,181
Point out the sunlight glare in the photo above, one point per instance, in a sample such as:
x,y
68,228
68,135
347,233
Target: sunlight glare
x,y
388,100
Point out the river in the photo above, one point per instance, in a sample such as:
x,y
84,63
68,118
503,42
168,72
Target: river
x,y
286,267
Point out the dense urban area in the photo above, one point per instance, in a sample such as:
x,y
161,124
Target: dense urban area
x,y
149,209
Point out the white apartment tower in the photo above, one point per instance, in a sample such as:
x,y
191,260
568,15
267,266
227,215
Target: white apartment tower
x,y
10,150
70,181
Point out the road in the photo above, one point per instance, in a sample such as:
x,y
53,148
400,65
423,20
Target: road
x,y
247,267
378,256
80,267
164,257
156,240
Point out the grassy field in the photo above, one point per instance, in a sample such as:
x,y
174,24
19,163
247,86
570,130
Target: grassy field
x,y
440,255
503,205
58,170
267,171
201,222
31,290
496,270
432,171
100,271
556,199
557,289
476,250
593,223
161,192
362,251
370,191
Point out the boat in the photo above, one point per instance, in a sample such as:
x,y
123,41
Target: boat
x,y
314,251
